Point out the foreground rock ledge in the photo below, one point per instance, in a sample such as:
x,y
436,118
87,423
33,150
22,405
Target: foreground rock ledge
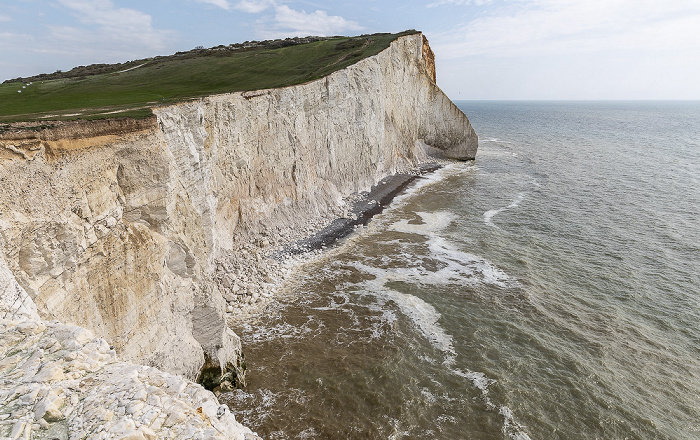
x,y
59,381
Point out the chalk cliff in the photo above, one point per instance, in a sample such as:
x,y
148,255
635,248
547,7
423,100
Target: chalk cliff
x,y
141,232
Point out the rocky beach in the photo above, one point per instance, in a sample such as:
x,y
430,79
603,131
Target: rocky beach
x,y
251,283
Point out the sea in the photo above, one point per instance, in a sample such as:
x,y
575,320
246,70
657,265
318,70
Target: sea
x,y
548,290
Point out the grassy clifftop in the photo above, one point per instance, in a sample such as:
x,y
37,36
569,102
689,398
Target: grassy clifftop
x,y
89,94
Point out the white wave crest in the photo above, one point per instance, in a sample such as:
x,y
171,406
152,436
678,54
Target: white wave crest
x,y
511,428
432,222
459,266
488,215
422,314
479,380
496,140
425,317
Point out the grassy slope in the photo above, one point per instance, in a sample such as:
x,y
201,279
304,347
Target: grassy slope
x,y
165,81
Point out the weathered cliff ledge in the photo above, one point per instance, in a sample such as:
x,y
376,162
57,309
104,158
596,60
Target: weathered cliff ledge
x,y
143,234
58,381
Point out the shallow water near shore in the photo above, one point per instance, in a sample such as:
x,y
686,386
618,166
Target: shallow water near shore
x,y
549,290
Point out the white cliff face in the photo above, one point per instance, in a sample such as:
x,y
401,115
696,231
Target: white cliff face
x,y
276,159
136,233
15,304
102,233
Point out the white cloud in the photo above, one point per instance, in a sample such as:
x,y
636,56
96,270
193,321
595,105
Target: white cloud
x,y
4,18
11,40
566,26
300,23
101,32
253,6
111,28
290,22
223,4
457,3
572,49
104,13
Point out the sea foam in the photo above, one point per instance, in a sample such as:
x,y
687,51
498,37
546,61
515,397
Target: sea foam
x,y
488,215
459,266
422,314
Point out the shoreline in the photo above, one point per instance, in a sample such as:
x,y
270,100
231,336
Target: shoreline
x,y
362,211
278,264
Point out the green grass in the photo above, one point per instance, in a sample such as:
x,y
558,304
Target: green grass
x,y
172,79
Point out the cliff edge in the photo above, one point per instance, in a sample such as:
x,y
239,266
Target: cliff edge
x,y
146,233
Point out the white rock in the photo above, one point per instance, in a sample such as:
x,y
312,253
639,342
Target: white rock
x,y
123,427
108,416
30,327
49,408
141,394
135,407
49,373
17,429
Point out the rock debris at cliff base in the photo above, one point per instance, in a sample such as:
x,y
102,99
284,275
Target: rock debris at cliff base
x,y
250,278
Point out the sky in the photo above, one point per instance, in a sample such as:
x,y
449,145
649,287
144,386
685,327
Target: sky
x,y
485,49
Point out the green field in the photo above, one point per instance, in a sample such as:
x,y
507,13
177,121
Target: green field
x,y
170,79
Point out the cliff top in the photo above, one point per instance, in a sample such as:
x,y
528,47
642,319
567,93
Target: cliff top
x,y
130,89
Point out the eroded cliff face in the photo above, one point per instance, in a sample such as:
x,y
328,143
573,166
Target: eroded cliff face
x,y
429,58
280,155
137,233
103,232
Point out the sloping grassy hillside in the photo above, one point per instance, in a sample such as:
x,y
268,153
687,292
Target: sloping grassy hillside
x,y
171,79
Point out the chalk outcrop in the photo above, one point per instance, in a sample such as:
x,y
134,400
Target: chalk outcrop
x,y
59,381
142,232
15,304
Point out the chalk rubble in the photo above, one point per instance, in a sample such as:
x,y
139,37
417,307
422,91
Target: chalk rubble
x,y
58,381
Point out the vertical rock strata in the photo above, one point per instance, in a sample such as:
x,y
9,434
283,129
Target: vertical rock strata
x,y
135,233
